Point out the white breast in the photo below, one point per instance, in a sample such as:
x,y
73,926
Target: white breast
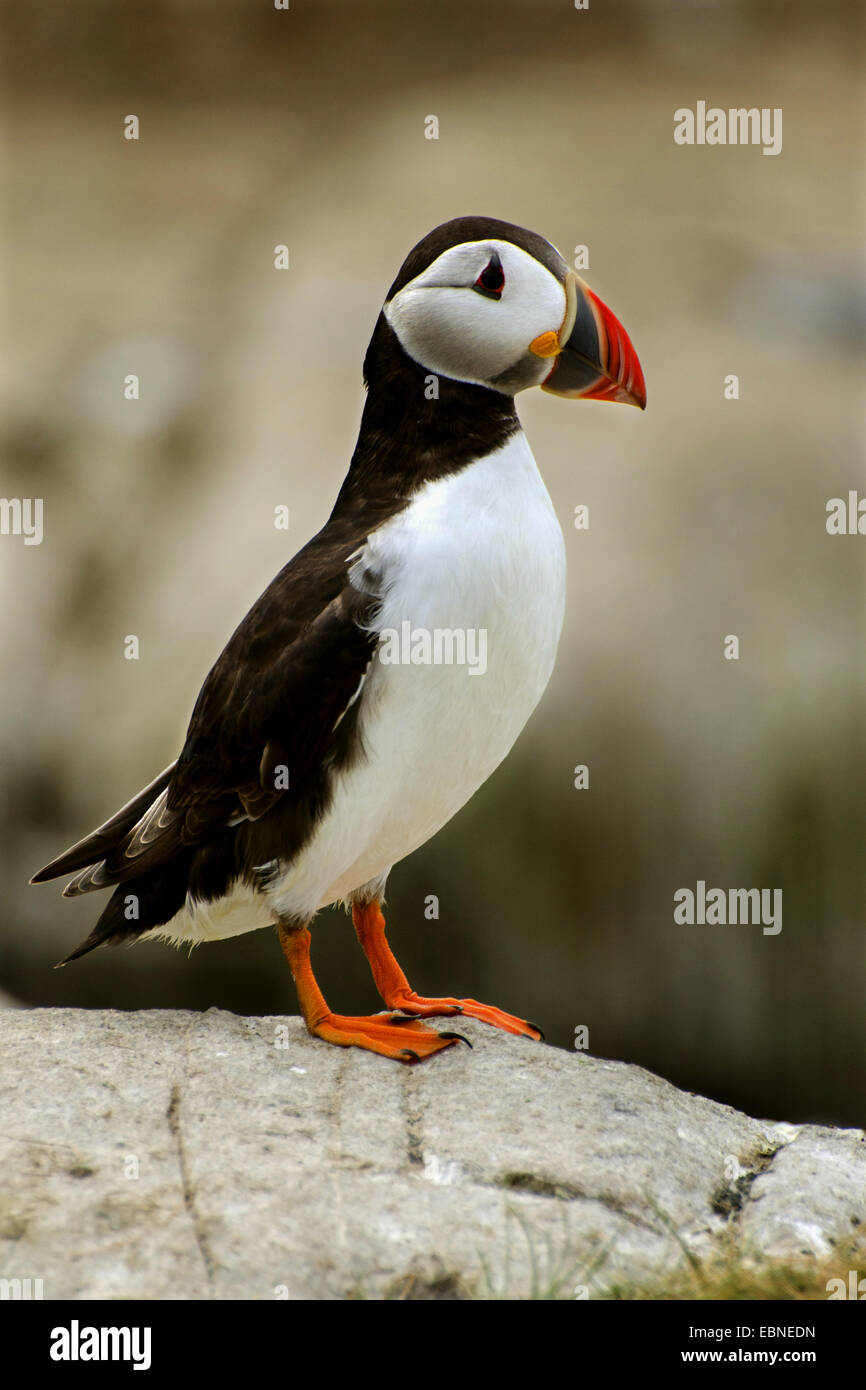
x,y
477,553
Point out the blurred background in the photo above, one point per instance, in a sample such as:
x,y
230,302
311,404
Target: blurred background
x,y
707,516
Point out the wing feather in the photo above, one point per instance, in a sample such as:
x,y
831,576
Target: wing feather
x,y
95,845
261,728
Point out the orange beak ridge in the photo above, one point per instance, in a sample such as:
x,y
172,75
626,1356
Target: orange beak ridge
x,y
597,361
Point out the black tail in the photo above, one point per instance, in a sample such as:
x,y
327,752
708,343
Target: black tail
x,y
139,905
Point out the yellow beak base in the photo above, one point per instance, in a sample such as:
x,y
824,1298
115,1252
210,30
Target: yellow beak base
x,y
545,345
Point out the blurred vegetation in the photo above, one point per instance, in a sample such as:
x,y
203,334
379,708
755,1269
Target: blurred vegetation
x,y
707,516
730,1273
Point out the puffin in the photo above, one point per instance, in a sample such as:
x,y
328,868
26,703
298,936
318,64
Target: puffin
x,y
389,667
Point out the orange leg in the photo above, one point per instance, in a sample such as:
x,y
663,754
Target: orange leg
x,y
397,992
403,1039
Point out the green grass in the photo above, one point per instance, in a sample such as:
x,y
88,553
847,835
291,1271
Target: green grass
x,y
730,1273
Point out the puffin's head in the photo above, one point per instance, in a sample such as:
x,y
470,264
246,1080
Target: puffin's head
x,y
483,301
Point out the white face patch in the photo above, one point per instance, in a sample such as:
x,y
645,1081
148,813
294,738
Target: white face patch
x,y
452,330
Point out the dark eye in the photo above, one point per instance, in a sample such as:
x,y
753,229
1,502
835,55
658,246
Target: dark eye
x,y
492,278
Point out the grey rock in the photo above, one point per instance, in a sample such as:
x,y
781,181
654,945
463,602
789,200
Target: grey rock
x,y
182,1155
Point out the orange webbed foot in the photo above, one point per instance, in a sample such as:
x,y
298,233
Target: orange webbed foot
x,y
399,994
400,1038
411,1003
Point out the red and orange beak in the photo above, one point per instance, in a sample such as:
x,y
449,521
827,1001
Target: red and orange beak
x,y
592,355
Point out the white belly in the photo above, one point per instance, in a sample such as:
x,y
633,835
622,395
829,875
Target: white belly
x,y
481,553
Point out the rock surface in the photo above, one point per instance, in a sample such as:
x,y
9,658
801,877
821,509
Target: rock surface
x,y
184,1155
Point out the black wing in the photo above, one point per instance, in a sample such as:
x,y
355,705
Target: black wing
x,y
100,842
265,723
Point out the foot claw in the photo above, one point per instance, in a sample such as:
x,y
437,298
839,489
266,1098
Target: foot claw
x,y
458,1036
